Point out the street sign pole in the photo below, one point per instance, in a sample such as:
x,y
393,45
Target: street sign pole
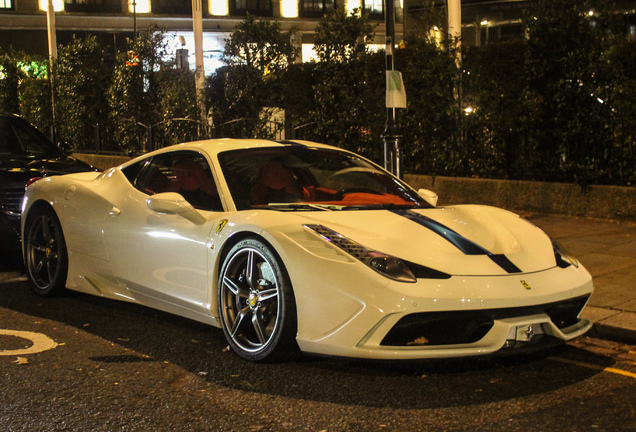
x,y
199,72
391,135
50,25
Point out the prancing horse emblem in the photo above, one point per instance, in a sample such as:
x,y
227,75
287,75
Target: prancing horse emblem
x,y
526,285
529,333
221,225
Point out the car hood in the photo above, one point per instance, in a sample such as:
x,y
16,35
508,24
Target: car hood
x,y
458,240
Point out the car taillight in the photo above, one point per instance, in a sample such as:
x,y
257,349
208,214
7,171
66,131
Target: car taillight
x,y
31,181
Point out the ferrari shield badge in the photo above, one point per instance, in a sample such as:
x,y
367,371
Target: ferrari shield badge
x,y
525,284
221,225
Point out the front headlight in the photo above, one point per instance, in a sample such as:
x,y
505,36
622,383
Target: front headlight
x,y
563,258
387,265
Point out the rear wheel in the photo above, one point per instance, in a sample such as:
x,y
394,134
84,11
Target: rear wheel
x,y
46,259
256,303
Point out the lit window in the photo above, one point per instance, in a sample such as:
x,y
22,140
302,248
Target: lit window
x,y
58,5
315,7
308,53
218,7
289,8
141,6
252,6
353,4
374,6
6,4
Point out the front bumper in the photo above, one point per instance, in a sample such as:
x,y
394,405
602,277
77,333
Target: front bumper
x,y
368,317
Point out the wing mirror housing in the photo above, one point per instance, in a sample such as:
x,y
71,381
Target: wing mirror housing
x,y
174,204
66,148
429,196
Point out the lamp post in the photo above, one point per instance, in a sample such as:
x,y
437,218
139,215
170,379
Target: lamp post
x,y
391,135
134,5
199,72
50,24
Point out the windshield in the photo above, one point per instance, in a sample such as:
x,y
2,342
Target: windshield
x,y
296,177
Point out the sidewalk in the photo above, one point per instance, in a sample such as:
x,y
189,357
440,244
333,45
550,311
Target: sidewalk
x,y
608,250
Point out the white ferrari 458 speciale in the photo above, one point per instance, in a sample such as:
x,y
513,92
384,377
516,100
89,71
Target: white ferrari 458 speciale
x,y
297,245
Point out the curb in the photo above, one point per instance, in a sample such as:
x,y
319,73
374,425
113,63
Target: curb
x,y
613,324
613,333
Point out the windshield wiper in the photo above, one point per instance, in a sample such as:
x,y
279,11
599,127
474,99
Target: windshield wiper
x,y
302,207
334,207
386,206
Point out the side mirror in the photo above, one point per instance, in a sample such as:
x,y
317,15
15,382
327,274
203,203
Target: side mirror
x,y
174,204
66,148
429,196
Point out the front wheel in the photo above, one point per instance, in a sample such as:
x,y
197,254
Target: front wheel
x,y
46,260
256,303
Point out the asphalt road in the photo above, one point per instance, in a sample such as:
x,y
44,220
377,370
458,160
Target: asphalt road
x,y
119,366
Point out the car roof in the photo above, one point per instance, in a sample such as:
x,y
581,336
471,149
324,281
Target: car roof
x,y
215,146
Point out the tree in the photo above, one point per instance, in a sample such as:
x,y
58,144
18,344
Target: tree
x,y
568,77
261,45
342,38
622,58
10,75
237,99
82,77
35,91
134,93
497,129
245,94
177,107
431,141
348,90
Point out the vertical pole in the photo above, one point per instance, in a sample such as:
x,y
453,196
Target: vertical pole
x,y
455,25
50,24
391,137
134,5
199,73
455,33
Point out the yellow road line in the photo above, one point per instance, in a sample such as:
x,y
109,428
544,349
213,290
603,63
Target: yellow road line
x,y
596,367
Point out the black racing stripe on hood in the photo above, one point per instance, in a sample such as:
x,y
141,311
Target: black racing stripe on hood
x,y
503,262
465,245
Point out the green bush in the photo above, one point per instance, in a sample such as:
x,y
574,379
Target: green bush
x,y
554,106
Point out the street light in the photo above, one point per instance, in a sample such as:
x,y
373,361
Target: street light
x,y
134,5
50,24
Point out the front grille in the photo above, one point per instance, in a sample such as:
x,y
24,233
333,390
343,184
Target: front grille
x,y
11,199
566,313
439,328
452,328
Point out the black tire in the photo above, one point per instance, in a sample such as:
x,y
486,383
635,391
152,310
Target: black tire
x,y
45,255
256,303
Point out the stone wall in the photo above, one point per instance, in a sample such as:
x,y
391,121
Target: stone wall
x,y
606,202
102,162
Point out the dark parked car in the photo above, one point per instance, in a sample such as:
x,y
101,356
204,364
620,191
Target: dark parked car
x,y
25,153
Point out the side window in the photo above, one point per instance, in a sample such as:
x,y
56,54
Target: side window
x,y
32,143
132,171
8,141
187,173
157,176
